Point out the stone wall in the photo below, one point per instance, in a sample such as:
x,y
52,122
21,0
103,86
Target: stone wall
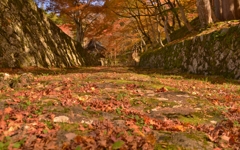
x,y
217,53
29,38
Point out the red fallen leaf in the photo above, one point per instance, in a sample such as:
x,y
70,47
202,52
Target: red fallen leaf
x,y
213,139
39,144
3,124
19,117
217,148
146,146
129,138
178,128
233,110
66,146
232,140
225,138
8,110
50,145
131,86
147,129
15,99
81,127
163,89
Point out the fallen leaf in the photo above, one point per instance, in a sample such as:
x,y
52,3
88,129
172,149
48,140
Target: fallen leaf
x,y
178,127
150,138
103,143
8,110
225,138
70,136
3,124
163,89
19,117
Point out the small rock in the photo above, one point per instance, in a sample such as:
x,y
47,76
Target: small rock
x,y
61,119
82,98
198,109
155,109
162,99
87,122
151,95
194,93
177,106
149,91
4,76
187,96
26,127
213,122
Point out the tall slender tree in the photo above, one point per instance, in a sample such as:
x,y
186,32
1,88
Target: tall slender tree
x,y
204,12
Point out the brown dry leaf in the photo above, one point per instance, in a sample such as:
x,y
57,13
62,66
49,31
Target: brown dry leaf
x,y
150,138
3,124
163,89
178,128
66,146
70,136
78,139
147,129
217,148
51,145
19,117
232,140
131,86
81,127
129,138
8,110
16,99
103,143
138,132
225,138
39,144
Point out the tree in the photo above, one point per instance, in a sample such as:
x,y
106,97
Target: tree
x,y
210,11
204,12
226,9
81,13
183,16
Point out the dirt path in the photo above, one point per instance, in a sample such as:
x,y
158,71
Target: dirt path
x,y
117,108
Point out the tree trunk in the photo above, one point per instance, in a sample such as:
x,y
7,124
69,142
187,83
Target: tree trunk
x,y
173,8
159,32
79,32
228,9
166,30
217,6
237,9
184,18
204,12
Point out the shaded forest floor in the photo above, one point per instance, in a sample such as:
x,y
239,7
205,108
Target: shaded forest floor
x,y
117,108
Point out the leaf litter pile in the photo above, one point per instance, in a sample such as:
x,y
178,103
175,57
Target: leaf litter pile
x,y
117,108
